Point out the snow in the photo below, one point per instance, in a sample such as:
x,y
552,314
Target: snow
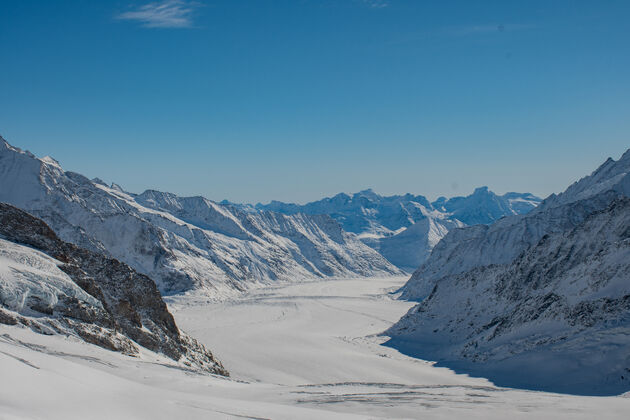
x,y
28,274
405,228
183,243
500,243
308,350
538,301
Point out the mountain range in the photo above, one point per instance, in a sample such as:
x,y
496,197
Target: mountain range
x,y
528,293
405,228
540,300
192,243
183,243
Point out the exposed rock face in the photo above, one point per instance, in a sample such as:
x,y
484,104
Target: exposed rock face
x,y
54,286
183,243
405,228
540,301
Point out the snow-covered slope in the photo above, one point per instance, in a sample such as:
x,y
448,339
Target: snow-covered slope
x,y
304,351
501,242
484,207
54,287
405,228
538,301
183,243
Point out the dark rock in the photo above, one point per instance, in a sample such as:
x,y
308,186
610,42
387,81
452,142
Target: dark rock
x,y
132,307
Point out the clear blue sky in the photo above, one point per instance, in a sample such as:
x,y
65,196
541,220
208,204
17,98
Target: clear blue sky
x,y
297,99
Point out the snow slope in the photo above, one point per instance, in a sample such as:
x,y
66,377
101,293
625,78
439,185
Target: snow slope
x,y
53,287
328,326
183,243
405,228
501,242
540,301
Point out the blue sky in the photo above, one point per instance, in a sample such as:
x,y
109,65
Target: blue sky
x,y
296,99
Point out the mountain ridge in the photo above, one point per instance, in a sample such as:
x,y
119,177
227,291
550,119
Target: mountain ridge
x,y
219,250
54,287
385,222
538,301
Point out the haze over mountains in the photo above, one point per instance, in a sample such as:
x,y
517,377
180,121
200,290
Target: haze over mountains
x,y
540,300
192,243
405,228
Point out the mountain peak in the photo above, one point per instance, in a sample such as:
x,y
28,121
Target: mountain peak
x,y
481,190
117,187
7,145
367,193
341,196
51,161
625,157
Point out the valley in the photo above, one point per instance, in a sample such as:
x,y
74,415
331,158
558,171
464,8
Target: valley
x,y
307,350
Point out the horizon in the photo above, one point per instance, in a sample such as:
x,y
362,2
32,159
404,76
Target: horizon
x,y
254,101
431,199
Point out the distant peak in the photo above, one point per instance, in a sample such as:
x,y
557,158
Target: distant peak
x,y
625,157
369,192
610,164
153,192
51,161
7,145
116,187
481,190
342,196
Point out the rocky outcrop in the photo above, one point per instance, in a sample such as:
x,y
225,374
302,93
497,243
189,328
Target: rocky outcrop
x,y
57,287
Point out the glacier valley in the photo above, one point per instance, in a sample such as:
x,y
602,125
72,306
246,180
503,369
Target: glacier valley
x,y
122,305
306,350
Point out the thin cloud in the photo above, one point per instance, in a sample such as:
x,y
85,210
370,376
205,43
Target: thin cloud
x,y
486,28
163,14
376,4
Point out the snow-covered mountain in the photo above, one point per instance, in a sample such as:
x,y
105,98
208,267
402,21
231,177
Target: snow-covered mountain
x,y
183,243
540,300
405,228
501,242
54,287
